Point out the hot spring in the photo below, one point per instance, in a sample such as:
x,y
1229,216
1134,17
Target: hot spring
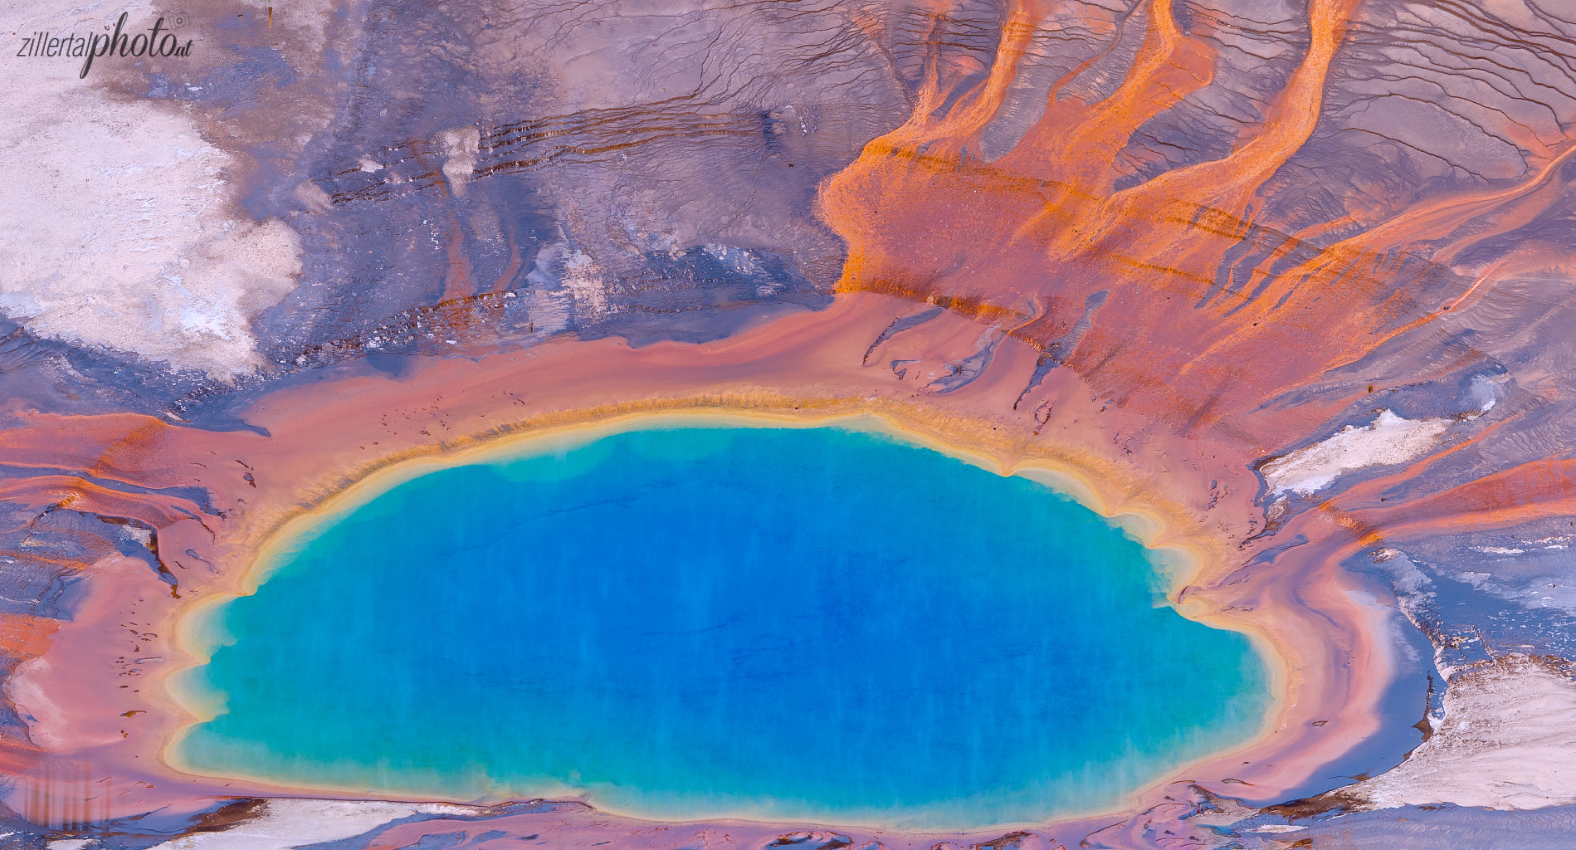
x,y
689,622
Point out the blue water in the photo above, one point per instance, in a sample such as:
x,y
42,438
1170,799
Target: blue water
x,y
786,623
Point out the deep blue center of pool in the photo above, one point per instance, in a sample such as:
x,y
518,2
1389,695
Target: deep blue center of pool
x,y
795,623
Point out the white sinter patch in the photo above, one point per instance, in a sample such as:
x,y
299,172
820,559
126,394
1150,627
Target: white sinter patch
x,y
1389,440
289,823
120,226
460,147
1508,741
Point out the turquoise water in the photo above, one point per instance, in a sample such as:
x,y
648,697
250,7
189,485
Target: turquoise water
x,y
693,622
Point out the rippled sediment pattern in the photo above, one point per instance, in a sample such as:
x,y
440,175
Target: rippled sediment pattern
x,y
725,622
